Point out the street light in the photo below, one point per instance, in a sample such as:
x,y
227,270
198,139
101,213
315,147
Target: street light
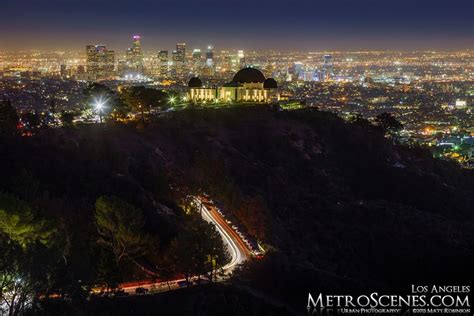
x,y
99,105
172,100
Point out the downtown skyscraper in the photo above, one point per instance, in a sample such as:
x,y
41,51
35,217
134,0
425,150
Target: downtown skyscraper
x,y
134,62
163,61
328,67
179,60
197,62
209,67
99,62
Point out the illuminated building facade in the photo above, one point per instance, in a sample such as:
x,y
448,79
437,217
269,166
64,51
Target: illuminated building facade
x,y
63,72
328,67
247,85
179,60
209,67
163,63
134,62
226,61
197,62
181,51
99,62
241,59
174,64
210,56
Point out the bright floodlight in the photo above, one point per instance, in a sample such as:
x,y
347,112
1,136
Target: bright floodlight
x,y
172,100
99,105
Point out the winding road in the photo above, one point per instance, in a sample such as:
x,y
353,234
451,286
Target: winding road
x,y
238,250
235,245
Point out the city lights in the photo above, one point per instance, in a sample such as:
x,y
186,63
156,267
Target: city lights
x,y
249,158
172,100
99,105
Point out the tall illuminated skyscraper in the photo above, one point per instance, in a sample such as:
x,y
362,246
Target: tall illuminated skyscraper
x,y
226,61
268,70
241,58
328,67
179,60
136,46
210,66
99,62
135,56
296,70
175,64
63,72
210,56
197,62
181,51
163,63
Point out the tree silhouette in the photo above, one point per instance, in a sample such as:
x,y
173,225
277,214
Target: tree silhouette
x,y
388,122
67,118
19,223
8,117
17,288
31,120
198,250
141,99
97,92
120,227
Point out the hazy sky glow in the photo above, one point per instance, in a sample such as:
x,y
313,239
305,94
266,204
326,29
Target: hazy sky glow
x,y
247,24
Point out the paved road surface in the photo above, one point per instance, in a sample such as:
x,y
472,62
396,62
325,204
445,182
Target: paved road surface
x,y
238,250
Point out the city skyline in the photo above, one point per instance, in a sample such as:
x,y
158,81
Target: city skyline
x,y
236,157
279,25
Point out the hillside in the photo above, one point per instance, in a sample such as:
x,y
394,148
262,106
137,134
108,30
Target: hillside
x,y
345,210
338,206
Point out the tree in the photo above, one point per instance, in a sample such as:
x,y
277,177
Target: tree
x,y
359,120
67,118
31,120
95,89
252,214
388,122
19,223
167,267
140,99
120,227
49,118
198,249
17,289
217,255
25,185
8,117
113,105
52,107
24,241
108,273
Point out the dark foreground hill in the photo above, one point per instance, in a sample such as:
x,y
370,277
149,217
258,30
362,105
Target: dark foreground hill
x,y
209,299
344,209
339,207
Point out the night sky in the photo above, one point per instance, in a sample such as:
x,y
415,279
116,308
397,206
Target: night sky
x,y
247,24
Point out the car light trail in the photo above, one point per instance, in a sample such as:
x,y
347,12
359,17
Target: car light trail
x,y
238,255
236,247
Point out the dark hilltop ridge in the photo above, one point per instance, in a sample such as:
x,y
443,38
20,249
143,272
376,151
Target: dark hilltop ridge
x,y
339,207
